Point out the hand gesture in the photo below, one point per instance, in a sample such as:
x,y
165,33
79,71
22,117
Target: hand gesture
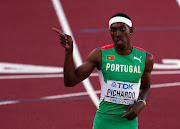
x,y
133,110
65,40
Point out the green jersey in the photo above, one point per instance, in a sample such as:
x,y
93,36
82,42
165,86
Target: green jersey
x,y
119,77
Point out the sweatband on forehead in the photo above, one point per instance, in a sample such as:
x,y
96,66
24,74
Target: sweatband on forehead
x,y
120,19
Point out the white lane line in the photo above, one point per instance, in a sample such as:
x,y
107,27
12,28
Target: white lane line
x,y
86,93
68,95
164,72
165,85
77,58
98,91
8,102
31,76
178,1
15,68
61,75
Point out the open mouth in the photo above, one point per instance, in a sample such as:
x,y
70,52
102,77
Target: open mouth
x,y
119,41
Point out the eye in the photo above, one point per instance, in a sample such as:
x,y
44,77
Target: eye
x,y
122,28
113,29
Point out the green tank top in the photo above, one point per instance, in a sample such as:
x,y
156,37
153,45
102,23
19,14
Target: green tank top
x,y
120,77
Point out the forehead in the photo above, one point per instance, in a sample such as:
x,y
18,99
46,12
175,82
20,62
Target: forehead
x,y
118,24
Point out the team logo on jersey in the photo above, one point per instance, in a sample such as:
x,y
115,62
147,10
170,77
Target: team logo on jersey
x,y
110,57
139,59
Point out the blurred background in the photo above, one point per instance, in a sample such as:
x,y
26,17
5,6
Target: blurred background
x,y
32,91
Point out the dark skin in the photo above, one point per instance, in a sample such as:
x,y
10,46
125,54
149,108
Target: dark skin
x,y
120,34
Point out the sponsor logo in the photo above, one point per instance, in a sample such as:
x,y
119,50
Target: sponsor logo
x,y
139,59
113,84
121,92
122,85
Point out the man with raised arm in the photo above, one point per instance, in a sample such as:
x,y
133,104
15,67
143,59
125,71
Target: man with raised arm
x,y
124,71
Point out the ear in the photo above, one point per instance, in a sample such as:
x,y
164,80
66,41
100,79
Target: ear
x,y
131,29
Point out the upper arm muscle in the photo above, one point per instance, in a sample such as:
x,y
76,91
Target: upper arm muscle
x,y
92,61
146,77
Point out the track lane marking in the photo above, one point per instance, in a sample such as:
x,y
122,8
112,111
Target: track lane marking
x,y
61,75
178,1
99,91
77,58
78,94
9,102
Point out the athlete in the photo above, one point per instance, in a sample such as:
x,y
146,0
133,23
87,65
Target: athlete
x,y
124,71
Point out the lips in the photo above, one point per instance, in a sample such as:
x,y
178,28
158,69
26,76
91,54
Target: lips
x,y
119,40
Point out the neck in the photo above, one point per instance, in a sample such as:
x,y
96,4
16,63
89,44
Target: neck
x,y
124,51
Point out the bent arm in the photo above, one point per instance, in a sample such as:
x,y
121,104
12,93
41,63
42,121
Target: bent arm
x,y
136,108
146,78
72,75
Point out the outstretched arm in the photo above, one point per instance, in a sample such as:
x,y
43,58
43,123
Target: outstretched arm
x,y
72,75
136,108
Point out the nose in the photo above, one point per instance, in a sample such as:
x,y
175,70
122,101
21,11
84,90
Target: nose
x,y
118,33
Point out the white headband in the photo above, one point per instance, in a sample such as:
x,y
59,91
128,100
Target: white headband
x,y
120,19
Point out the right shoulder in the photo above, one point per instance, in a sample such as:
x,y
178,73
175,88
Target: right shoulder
x,y
96,51
95,57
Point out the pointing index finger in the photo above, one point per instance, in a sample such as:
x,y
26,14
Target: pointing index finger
x,y
58,31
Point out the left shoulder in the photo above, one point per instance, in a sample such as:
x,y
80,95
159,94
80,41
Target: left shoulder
x,y
149,62
149,57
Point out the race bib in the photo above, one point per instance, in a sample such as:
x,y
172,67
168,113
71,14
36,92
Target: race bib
x,y
121,92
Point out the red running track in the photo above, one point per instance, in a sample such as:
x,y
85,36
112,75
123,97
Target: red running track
x,y
26,38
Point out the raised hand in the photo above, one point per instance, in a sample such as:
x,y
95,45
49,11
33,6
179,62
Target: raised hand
x,y
65,40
